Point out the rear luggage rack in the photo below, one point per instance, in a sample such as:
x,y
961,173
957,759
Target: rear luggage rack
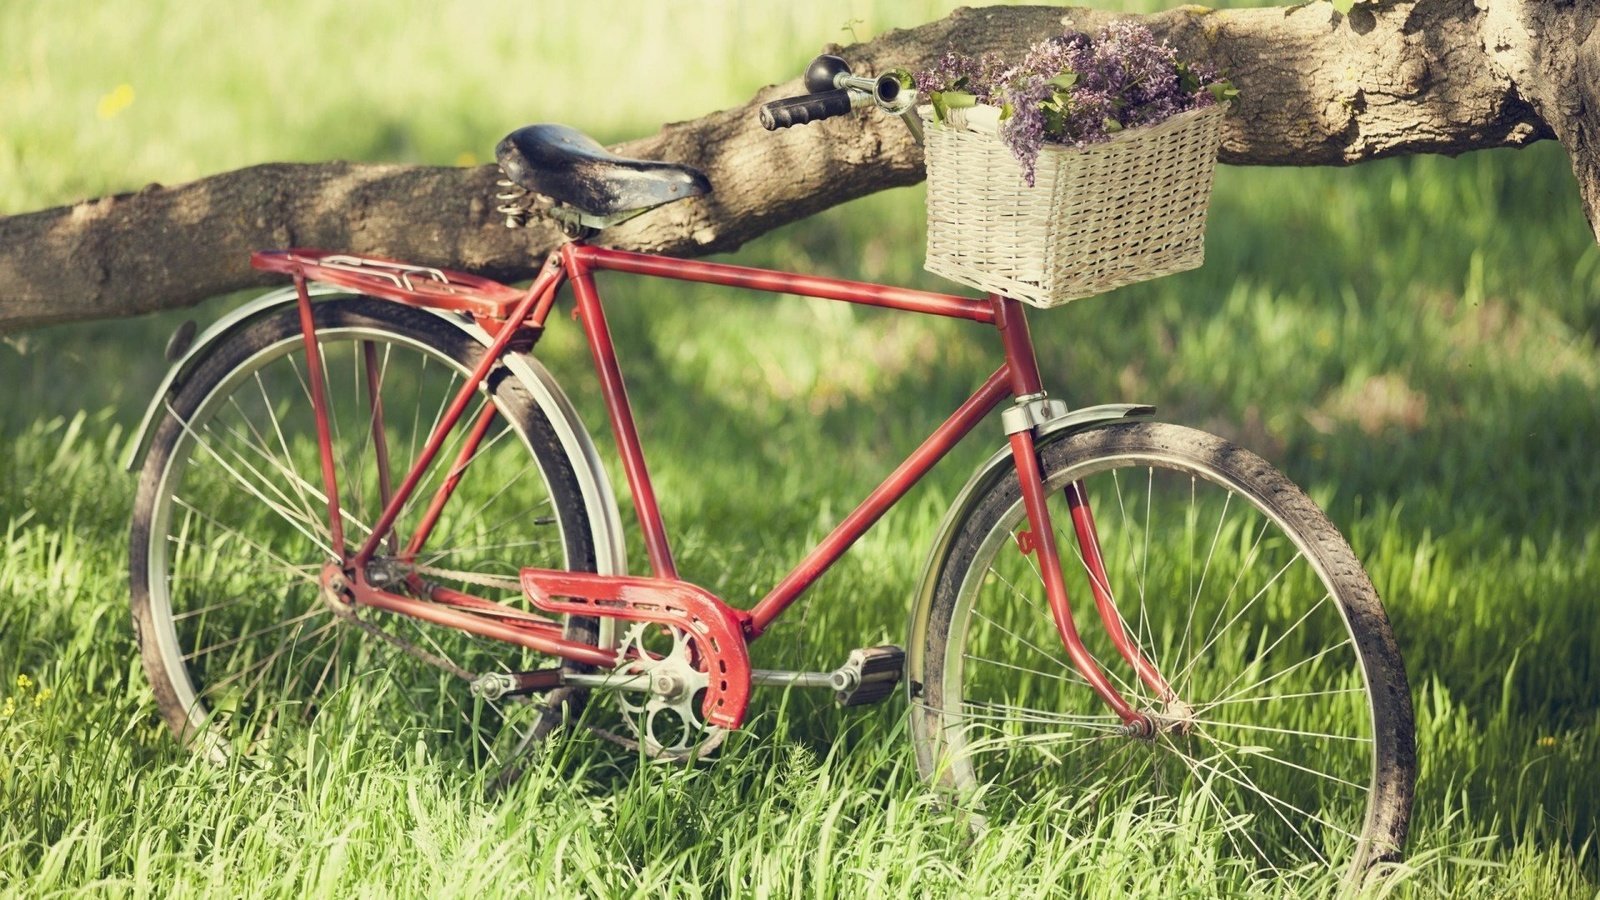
x,y
398,281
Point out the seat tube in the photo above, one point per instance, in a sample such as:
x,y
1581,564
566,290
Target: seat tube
x,y
621,412
1040,537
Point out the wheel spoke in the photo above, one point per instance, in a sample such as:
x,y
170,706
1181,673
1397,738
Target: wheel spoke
x,y
1123,686
1275,697
1189,669
1268,733
286,514
1254,752
1320,735
237,532
253,544
236,641
1347,642
1222,607
1194,599
1240,820
1066,675
265,661
1277,804
1279,640
302,486
258,443
1006,712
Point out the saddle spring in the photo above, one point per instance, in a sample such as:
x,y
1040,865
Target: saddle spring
x,y
516,203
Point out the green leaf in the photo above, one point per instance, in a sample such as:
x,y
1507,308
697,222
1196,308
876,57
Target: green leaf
x,y
1112,125
1223,91
959,99
903,76
1006,111
1065,80
944,101
1188,82
1343,7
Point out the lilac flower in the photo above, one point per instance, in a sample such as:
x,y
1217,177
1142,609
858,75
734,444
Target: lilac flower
x,y
1024,130
1077,90
946,74
977,75
1053,56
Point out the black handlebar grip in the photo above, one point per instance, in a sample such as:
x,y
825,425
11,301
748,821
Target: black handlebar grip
x,y
800,110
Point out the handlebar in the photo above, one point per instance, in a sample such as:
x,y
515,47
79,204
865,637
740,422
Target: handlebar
x,y
805,108
834,91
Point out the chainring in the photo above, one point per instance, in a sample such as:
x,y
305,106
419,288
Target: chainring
x,y
665,719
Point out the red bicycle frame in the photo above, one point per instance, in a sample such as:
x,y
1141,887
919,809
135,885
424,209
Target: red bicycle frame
x,y
506,315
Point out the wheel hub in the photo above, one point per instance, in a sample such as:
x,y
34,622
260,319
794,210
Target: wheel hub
x,y
1177,717
1174,717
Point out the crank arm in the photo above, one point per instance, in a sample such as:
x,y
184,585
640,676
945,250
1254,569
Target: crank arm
x,y
495,685
867,676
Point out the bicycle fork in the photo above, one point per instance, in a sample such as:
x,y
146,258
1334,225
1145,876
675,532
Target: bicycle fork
x,y
1039,538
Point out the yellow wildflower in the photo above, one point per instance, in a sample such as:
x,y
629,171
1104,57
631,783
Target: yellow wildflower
x,y
43,695
115,102
9,709
1547,741
24,683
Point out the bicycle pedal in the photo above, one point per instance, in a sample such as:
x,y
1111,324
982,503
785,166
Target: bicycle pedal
x,y
869,674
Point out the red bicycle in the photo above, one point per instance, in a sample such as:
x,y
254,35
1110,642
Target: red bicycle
x,y
363,499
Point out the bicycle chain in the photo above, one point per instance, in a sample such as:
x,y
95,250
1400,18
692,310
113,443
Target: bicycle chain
x,y
348,613
473,578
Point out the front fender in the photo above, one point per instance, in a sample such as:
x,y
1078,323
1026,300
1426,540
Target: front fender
x,y
987,475
600,502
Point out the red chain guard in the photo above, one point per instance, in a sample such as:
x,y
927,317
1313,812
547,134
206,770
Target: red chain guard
x,y
716,628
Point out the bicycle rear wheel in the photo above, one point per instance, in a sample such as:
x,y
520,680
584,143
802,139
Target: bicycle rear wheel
x,y
230,535
1289,744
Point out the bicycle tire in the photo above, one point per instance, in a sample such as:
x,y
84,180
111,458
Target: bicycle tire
x,y
230,528
1246,758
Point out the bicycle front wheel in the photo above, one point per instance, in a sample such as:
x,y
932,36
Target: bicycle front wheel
x,y
231,534
1286,744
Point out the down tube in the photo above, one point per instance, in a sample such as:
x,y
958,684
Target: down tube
x,y
901,480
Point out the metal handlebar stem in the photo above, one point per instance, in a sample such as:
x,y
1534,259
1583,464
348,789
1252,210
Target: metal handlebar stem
x,y
888,94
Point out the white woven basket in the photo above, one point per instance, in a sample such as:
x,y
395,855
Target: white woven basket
x,y
1111,214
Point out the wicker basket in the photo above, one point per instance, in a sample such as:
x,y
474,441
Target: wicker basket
x,y
1127,210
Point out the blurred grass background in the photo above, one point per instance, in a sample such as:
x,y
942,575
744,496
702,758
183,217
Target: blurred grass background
x,y
1414,341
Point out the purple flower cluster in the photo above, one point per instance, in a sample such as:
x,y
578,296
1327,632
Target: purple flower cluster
x,y
1075,89
958,71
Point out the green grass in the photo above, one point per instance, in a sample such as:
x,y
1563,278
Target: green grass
x,y
1413,341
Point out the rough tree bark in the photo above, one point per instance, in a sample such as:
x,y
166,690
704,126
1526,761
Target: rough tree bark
x,y
1317,88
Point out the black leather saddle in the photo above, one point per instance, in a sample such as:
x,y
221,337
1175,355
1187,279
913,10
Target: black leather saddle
x,y
569,166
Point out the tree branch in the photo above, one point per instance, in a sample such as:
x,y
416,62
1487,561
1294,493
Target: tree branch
x,y
1316,87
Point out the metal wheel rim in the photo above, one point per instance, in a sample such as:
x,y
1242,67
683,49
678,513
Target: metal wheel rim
x,y
208,742
956,765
